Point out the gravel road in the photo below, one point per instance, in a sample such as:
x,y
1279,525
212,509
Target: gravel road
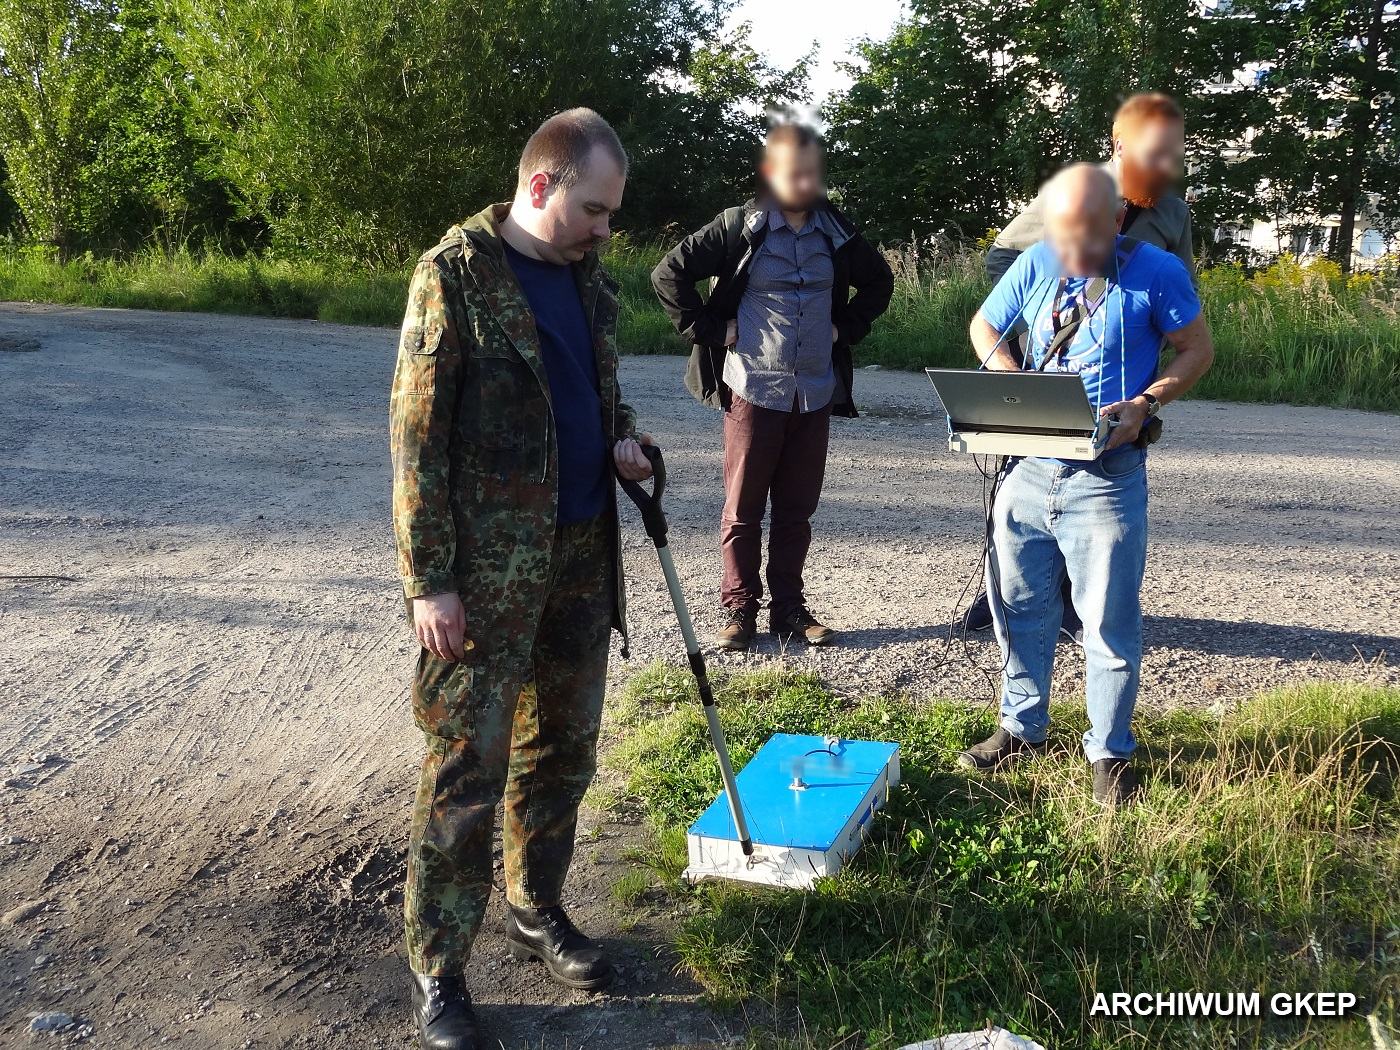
x,y
206,760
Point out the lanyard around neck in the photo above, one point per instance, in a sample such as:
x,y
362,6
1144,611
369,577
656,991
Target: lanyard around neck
x,y
1093,294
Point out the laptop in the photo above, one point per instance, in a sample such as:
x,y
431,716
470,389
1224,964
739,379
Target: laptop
x,y
1019,413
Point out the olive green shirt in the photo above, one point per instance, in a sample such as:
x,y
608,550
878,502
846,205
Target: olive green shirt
x,y
1166,225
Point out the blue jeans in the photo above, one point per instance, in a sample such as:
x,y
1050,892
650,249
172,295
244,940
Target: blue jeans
x,y
1088,520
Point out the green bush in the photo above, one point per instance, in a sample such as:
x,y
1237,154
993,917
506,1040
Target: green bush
x,y
1303,335
1262,856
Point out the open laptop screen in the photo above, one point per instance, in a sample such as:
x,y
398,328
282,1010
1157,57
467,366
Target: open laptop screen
x,y
1028,402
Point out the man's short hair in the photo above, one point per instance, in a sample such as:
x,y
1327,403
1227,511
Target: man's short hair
x,y
790,133
1141,109
562,146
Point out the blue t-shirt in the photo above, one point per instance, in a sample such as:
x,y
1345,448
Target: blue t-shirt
x,y
1149,297
567,345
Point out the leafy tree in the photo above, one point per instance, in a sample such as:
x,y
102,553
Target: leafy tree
x,y
1331,80
696,151
363,128
946,123
151,178
94,127
1101,51
53,95
960,115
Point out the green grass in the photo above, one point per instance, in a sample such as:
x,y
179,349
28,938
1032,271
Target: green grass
x,y
631,886
1305,335
212,283
1290,334
642,326
1263,856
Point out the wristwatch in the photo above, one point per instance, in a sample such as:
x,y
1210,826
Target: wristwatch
x,y
1153,405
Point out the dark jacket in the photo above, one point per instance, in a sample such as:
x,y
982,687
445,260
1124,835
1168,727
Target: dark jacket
x,y
722,251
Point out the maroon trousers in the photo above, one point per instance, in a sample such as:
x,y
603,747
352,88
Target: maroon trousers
x,y
781,455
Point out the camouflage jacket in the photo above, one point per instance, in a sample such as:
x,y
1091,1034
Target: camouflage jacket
x,y
472,435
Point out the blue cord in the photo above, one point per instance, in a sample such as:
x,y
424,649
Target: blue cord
x,y
1030,342
1035,323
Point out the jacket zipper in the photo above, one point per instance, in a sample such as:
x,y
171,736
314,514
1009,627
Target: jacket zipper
x,y
470,251
612,394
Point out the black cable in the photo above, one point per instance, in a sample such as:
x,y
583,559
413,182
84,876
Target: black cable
x,y
988,543
65,579
957,626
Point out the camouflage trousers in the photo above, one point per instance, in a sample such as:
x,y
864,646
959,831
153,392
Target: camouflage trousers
x,y
530,740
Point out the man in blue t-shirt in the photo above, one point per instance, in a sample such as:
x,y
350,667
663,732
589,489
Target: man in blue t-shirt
x,y
1084,519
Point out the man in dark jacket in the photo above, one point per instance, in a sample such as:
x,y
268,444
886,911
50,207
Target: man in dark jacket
x,y
773,350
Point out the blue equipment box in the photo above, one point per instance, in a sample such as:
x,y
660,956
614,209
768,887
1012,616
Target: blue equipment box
x,y
808,801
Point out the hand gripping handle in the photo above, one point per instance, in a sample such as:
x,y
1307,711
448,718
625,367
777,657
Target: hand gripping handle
x,y
649,503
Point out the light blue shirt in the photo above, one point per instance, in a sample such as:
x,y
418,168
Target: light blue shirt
x,y
783,353
1115,351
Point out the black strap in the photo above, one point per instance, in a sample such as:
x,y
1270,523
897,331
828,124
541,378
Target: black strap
x,y
1095,292
738,246
733,233
1131,216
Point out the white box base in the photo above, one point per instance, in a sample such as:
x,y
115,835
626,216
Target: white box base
x,y
802,835
1047,446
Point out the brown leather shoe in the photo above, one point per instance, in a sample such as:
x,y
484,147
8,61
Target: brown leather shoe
x,y
998,751
800,623
1115,782
738,634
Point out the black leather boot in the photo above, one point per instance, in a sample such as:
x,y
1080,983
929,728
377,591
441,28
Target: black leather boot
x,y
547,934
443,1012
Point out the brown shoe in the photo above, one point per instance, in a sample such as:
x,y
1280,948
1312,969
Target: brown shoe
x,y
998,751
800,623
1115,782
738,634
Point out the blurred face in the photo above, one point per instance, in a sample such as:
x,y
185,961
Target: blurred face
x,y
574,220
1083,238
1150,159
793,175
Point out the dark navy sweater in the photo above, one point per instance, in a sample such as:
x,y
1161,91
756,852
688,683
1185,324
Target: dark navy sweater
x,y
569,362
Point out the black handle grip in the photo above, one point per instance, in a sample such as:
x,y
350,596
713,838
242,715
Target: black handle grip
x,y
649,503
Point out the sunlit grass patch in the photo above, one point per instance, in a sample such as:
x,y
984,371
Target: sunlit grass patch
x,y
1298,334
631,886
210,282
1263,856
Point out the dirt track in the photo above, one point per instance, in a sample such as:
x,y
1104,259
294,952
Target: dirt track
x,y
206,754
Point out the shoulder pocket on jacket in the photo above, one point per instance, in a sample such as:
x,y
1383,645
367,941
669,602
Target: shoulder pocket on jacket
x,y
423,340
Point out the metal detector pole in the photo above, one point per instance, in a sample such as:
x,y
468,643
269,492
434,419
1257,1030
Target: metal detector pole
x,y
655,522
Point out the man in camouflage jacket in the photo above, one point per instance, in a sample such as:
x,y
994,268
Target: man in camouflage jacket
x,y
511,601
